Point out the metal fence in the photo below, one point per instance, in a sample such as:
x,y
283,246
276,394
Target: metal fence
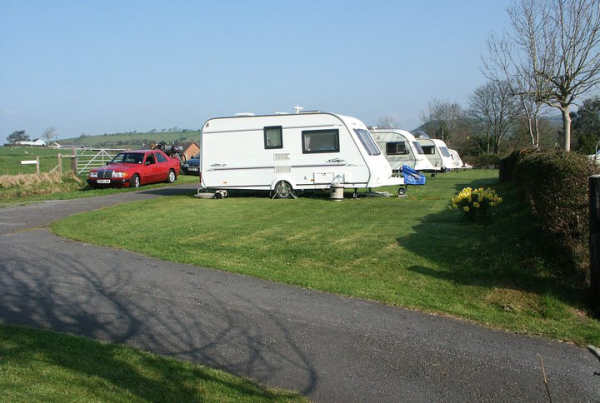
x,y
89,158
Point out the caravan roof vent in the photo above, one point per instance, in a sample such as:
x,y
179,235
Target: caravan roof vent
x,y
420,134
245,114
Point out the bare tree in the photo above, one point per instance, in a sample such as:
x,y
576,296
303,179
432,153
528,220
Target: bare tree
x,y
494,109
388,122
49,134
442,119
551,52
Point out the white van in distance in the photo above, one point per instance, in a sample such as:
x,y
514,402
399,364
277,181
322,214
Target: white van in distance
x,y
287,152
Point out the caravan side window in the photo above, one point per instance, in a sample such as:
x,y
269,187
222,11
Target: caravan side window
x,y
320,141
273,137
396,148
430,150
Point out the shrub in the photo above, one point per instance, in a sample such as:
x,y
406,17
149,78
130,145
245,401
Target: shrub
x,y
476,204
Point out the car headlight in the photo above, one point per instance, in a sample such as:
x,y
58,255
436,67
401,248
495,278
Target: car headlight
x,y
93,174
118,174
185,165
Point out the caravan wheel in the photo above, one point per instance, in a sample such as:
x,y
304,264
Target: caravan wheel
x,y
283,190
401,191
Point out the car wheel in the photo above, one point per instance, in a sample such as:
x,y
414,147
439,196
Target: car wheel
x,y
135,181
171,176
283,190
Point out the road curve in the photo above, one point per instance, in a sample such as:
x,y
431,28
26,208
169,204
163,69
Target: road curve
x,y
329,348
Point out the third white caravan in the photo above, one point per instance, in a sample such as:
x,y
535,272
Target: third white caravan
x,y
287,152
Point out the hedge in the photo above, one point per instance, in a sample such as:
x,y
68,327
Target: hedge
x,y
555,186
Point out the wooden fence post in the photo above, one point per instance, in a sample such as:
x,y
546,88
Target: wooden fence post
x,y
594,182
59,163
74,160
37,165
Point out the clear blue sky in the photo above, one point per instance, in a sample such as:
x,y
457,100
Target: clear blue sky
x,y
106,66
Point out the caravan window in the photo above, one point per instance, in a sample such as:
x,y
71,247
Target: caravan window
x,y
320,141
367,141
396,148
428,149
417,146
445,152
273,137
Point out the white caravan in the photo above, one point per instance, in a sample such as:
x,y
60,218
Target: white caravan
x,y
437,152
287,152
457,161
400,147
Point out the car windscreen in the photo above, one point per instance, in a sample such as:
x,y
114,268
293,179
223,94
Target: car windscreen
x,y
127,158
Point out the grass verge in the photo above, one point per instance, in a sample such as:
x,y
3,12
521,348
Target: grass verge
x,y
42,366
412,252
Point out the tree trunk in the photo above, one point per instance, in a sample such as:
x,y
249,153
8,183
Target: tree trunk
x,y
566,118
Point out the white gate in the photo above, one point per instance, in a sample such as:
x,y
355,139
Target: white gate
x,y
89,158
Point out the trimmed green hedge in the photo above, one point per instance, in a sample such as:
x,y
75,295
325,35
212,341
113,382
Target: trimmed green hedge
x,y
555,185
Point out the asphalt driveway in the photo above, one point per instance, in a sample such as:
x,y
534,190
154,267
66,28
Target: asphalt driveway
x,y
330,348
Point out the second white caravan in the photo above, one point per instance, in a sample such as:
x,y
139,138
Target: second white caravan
x,y
400,147
288,152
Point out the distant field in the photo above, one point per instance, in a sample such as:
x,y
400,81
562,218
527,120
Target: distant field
x,y
132,139
11,157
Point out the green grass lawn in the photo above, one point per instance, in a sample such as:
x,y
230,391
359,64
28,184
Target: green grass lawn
x,y
45,366
413,252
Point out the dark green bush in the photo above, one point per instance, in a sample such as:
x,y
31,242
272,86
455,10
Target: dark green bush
x,y
507,166
555,185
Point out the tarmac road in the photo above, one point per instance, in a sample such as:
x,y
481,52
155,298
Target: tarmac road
x,y
329,348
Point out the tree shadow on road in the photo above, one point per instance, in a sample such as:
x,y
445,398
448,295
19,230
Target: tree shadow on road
x,y
86,295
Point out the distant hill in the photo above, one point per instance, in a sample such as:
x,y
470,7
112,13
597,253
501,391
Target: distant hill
x,y
132,140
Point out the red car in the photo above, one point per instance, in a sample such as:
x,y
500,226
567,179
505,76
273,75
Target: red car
x,y
135,168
